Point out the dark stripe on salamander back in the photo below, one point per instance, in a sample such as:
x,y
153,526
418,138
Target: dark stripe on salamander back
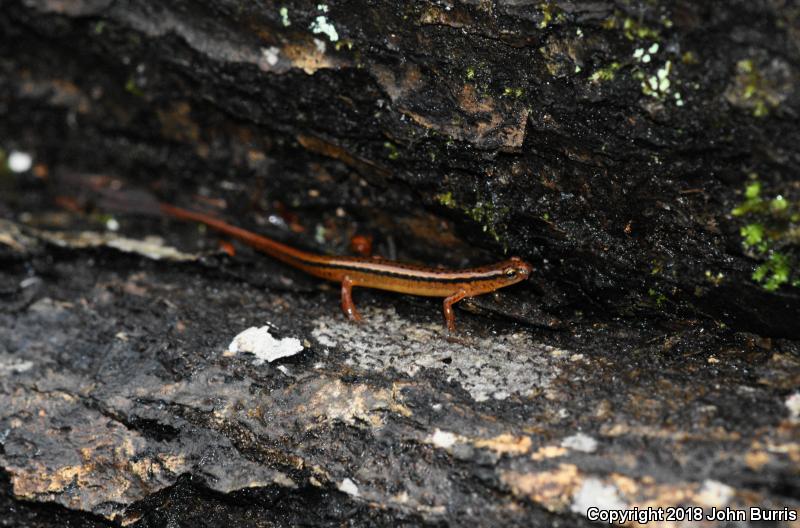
x,y
493,274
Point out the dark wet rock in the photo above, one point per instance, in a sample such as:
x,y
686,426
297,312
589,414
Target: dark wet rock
x,y
117,388
644,364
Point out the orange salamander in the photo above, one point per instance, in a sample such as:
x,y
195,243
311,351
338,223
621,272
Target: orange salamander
x,y
376,272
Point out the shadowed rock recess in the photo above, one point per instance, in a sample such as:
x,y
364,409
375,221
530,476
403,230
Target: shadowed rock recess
x,y
643,156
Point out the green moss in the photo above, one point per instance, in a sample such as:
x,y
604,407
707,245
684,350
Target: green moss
x,y
634,29
547,14
102,218
546,18
470,73
753,203
752,190
490,217
550,13
393,153
132,88
631,28
446,199
607,73
657,267
752,235
484,212
512,92
775,272
658,297
716,280
779,204
690,58
772,235
342,44
752,90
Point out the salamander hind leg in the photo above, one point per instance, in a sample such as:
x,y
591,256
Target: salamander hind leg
x,y
449,317
348,307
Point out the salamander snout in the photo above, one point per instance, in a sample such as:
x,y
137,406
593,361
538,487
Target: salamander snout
x,y
517,269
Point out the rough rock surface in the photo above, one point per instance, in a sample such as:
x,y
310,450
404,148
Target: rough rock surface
x,y
119,397
642,155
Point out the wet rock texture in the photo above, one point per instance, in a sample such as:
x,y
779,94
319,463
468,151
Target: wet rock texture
x,y
120,399
606,143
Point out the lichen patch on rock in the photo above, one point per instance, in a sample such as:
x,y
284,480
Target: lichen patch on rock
x,y
488,367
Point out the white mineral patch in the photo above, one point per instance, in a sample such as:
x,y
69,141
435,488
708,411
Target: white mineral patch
x,y
793,404
595,493
151,247
259,342
349,487
580,442
714,493
16,367
281,479
19,161
443,439
271,55
490,366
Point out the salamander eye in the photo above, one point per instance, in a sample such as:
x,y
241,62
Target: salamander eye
x,y
511,273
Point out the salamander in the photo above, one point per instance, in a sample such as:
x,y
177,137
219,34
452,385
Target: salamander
x,y
375,272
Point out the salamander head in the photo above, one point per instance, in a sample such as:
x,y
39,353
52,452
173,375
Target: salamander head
x,y
515,270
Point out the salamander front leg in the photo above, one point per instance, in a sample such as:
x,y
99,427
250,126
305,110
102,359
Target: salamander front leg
x,y
348,307
449,318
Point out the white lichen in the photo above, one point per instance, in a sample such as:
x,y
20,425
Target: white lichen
x,y
658,85
645,56
323,26
663,77
580,442
517,364
284,12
